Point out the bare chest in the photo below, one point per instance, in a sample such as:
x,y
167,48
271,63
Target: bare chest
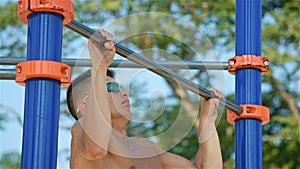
x,y
118,162
131,163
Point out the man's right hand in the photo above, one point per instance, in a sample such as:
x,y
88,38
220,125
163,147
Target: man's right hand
x,y
209,107
102,55
208,115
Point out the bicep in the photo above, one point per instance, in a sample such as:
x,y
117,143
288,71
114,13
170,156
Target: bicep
x,y
171,161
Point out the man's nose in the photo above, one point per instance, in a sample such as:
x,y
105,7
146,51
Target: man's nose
x,y
124,92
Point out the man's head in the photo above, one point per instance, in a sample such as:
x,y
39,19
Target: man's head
x,y
79,89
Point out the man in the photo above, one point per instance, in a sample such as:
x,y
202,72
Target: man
x,y
102,108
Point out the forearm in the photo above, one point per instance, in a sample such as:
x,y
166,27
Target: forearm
x,y
96,123
209,152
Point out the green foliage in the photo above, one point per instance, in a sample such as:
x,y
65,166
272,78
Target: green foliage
x,y
10,161
109,5
9,15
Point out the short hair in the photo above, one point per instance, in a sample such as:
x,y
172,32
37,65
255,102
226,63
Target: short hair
x,y
78,89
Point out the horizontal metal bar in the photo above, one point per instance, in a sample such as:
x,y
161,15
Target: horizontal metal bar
x,y
7,74
129,64
152,65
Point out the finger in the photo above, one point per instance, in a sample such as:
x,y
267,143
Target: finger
x,y
220,95
217,93
92,43
109,45
108,36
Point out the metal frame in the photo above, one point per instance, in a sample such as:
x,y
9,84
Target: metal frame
x,y
40,130
9,73
41,97
129,64
153,65
248,132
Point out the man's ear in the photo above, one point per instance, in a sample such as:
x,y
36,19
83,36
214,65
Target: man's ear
x,y
81,106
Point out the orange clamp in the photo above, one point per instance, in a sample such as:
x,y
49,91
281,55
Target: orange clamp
x,y
250,111
62,7
248,61
43,69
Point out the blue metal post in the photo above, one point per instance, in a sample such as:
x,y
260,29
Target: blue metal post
x,y
42,95
248,133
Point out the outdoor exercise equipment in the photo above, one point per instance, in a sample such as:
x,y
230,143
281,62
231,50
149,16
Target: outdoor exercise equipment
x,y
43,74
151,65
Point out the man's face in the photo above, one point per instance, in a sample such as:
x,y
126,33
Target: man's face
x,y
119,102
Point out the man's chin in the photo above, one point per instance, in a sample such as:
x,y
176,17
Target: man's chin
x,y
126,115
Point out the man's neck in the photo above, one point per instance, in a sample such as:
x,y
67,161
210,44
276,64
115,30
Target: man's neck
x,y
119,127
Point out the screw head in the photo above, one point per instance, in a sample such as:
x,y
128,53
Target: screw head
x,y
231,62
266,63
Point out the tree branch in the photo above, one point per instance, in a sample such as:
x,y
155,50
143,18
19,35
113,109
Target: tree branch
x,y
288,98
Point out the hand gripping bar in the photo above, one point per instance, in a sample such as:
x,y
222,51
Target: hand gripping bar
x,y
152,66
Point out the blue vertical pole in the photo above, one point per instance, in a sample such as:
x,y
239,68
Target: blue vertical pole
x,y
42,95
248,133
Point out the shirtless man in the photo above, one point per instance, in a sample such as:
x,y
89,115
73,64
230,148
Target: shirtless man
x,y
102,108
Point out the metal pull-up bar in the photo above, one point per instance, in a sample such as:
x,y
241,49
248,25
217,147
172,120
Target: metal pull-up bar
x,y
9,74
174,64
151,65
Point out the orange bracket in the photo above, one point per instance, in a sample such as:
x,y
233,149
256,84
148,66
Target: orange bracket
x,y
62,7
248,61
43,69
250,112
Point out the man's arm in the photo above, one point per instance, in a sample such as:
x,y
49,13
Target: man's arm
x,y
94,131
209,152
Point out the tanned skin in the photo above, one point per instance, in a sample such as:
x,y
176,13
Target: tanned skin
x,y
99,136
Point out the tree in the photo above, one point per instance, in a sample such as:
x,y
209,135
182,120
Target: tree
x,y
216,20
10,161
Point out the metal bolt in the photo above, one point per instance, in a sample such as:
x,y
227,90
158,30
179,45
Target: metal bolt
x,y
231,62
266,63
247,110
19,71
65,72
